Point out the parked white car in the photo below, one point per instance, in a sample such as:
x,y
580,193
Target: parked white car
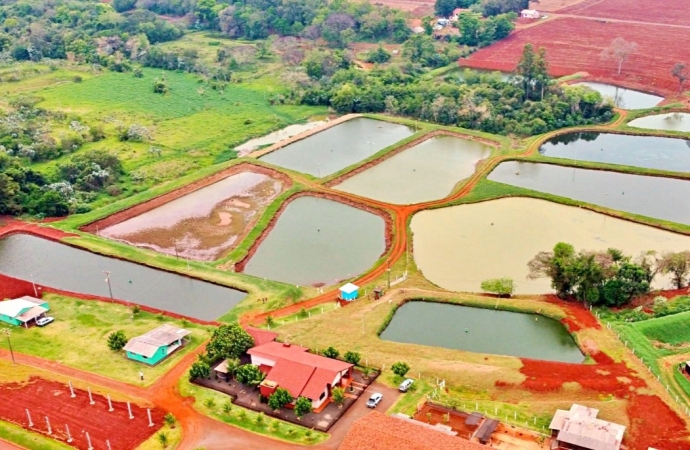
x,y
374,400
43,321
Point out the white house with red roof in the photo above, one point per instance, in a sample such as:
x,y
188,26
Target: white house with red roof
x,y
294,369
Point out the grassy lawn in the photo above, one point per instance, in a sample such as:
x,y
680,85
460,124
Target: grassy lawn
x,y
174,436
77,338
672,329
34,441
214,404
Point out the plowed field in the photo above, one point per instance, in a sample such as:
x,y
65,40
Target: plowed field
x,y
675,12
575,45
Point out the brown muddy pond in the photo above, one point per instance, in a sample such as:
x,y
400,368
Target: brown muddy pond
x,y
204,224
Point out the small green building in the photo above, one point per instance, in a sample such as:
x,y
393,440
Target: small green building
x,y
156,345
22,311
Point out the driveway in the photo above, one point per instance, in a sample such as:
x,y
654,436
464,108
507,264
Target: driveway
x,y
359,410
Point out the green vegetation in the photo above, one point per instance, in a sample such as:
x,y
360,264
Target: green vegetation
x,y
229,341
117,340
671,329
499,286
279,399
250,375
302,407
18,435
245,418
78,338
174,436
331,352
199,369
400,368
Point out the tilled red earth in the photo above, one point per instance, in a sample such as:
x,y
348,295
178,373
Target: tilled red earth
x,y
51,399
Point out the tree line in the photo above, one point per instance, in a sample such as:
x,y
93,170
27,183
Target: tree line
x,y
606,278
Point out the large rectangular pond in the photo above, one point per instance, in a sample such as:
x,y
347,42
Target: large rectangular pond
x,y
642,151
458,247
427,171
667,122
483,331
63,267
338,147
319,241
657,197
624,98
204,224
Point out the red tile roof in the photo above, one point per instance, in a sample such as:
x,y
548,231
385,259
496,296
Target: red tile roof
x,y
317,383
377,431
295,353
261,336
291,376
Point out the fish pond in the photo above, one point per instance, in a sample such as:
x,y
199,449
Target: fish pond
x,y
204,224
318,241
427,171
458,247
624,98
338,147
666,122
641,151
480,330
650,196
67,268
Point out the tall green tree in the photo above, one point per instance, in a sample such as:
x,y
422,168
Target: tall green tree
x,y
229,342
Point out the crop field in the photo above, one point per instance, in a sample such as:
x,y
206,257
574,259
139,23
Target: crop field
x,y
646,68
670,329
674,12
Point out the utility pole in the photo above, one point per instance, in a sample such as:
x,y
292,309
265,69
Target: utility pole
x,y
389,275
107,280
7,332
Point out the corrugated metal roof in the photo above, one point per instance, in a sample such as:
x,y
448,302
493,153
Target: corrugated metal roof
x,y
580,427
12,308
349,288
147,344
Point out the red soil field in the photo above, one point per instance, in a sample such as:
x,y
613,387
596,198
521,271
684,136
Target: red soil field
x,y
52,399
575,45
674,12
654,424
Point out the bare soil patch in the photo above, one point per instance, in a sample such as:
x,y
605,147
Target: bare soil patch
x,y
672,12
51,399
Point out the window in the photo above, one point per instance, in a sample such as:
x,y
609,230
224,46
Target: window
x,y
323,394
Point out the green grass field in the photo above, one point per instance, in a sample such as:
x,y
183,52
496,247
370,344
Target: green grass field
x,y
673,330
78,336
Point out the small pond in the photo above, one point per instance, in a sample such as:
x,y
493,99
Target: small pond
x,y
338,147
483,331
427,171
204,224
319,241
655,197
67,268
641,151
624,98
460,246
666,122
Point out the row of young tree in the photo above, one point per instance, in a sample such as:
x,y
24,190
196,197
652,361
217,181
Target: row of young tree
x,y
607,278
528,103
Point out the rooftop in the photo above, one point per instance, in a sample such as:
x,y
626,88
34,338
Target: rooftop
x,y
261,336
12,308
580,427
298,354
149,343
349,288
377,431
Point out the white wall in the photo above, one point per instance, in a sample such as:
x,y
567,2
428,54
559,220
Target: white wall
x,y
260,360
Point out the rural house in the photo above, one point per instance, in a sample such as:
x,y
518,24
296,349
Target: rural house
x,y
377,430
301,373
156,345
579,429
23,310
529,14
349,292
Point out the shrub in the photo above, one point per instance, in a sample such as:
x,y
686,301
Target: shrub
x,y
163,438
227,407
117,340
242,415
160,86
400,368
260,418
500,286
135,309
113,190
250,375
352,357
279,399
275,426
331,352
77,79
209,402
170,420
199,369
338,395
302,407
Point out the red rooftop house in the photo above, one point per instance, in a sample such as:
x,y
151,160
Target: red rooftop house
x,y
301,373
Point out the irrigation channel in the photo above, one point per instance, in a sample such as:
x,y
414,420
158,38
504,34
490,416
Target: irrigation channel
x,y
655,197
483,331
624,98
70,269
338,147
650,152
427,171
665,122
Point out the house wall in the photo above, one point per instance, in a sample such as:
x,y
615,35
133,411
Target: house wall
x,y
10,320
160,354
259,360
318,402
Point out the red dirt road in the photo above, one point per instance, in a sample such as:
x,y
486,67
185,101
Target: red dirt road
x,y
51,399
648,68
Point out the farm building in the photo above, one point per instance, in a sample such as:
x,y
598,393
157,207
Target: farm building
x,y
156,345
23,310
349,292
579,429
396,433
301,373
529,14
